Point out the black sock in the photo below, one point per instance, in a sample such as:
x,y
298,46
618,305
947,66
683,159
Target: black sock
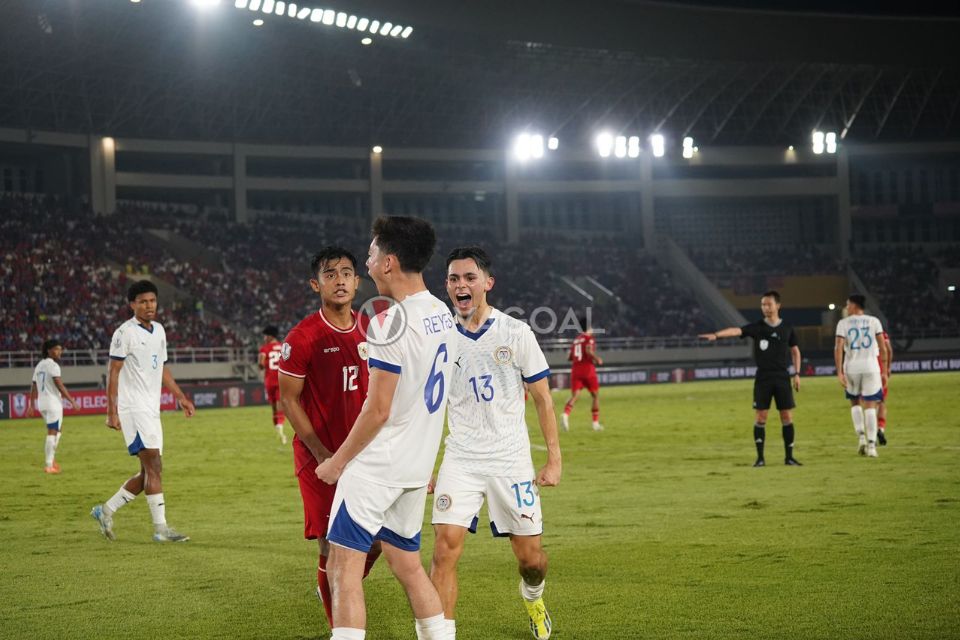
x,y
759,434
788,440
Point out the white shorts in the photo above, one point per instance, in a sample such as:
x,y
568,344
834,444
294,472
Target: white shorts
x,y
53,418
513,503
365,511
866,385
141,431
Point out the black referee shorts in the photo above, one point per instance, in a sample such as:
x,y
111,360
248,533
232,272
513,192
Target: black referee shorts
x,y
766,388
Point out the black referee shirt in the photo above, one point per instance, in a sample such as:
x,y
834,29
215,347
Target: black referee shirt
x,y
771,346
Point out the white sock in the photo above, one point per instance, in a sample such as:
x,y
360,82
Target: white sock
x,y
157,510
57,443
451,628
856,412
346,633
433,628
530,592
870,418
279,427
119,499
49,447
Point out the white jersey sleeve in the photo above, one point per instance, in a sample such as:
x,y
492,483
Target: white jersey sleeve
x,y
416,341
533,364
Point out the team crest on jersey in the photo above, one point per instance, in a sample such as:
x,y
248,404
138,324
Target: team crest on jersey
x,y
503,355
362,350
764,344
444,502
285,350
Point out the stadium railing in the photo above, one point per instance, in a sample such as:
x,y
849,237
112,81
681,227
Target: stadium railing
x,y
93,357
616,344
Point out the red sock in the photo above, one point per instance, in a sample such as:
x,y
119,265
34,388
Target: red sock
x,y
882,423
567,409
325,589
278,417
596,415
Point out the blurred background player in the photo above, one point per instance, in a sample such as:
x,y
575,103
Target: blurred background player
x,y
46,400
860,354
774,346
138,352
323,383
487,453
269,363
882,405
583,374
385,463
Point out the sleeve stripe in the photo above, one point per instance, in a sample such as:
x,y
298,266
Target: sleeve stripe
x,y
113,357
538,376
386,366
292,375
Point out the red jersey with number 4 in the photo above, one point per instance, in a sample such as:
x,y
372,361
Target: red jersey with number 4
x,y
580,352
271,365
332,363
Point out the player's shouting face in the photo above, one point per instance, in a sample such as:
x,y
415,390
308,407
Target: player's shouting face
x,y
467,286
336,281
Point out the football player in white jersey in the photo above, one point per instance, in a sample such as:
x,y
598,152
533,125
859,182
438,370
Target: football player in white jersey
x,y
46,400
487,453
859,342
138,351
384,465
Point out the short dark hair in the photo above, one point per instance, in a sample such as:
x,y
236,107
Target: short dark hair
x,y
271,331
328,254
474,253
411,239
47,345
858,299
140,287
772,294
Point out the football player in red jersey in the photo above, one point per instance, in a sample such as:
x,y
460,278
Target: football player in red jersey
x,y
882,406
323,383
583,355
269,363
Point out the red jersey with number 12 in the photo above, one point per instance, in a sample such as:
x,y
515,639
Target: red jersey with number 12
x,y
332,363
579,352
271,365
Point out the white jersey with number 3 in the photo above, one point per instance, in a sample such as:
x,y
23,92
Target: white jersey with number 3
x,y
143,352
861,334
488,432
403,453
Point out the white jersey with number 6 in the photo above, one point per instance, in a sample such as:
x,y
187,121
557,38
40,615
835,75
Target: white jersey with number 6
x,y
422,352
488,432
861,334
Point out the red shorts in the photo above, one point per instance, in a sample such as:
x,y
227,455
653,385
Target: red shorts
x,y
317,501
273,394
581,379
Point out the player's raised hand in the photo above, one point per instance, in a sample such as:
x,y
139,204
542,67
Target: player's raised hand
x,y
329,471
549,476
113,421
708,336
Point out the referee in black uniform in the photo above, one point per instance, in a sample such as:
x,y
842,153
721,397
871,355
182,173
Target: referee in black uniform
x,y
774,345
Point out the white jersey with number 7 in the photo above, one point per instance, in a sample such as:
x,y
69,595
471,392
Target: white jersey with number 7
x,y
861,334
416,340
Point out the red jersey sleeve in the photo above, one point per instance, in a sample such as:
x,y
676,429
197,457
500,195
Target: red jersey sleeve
x,y
295,354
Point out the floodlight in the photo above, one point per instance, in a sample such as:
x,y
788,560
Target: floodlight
x,y
239,4
658,145
406,32
341,19
831,306
521,147
790,148
303,13
951,288
362,24
374,26
377,149
366,41
258,22
385,29
553,143
316,15
268,6
536,145
329,16
818,139
604,144
281,8
351,22
396,30
291,9
633,147
688,148
254,5
831,142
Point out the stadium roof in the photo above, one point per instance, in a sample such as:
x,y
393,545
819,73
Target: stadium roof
x,y
474,73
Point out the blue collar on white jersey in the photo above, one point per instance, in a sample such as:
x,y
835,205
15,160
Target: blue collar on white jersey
x,y
479,333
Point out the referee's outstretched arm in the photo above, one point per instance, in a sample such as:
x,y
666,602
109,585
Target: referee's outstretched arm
x,y
729,332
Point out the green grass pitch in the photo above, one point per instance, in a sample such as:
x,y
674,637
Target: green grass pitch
x,y
660,529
